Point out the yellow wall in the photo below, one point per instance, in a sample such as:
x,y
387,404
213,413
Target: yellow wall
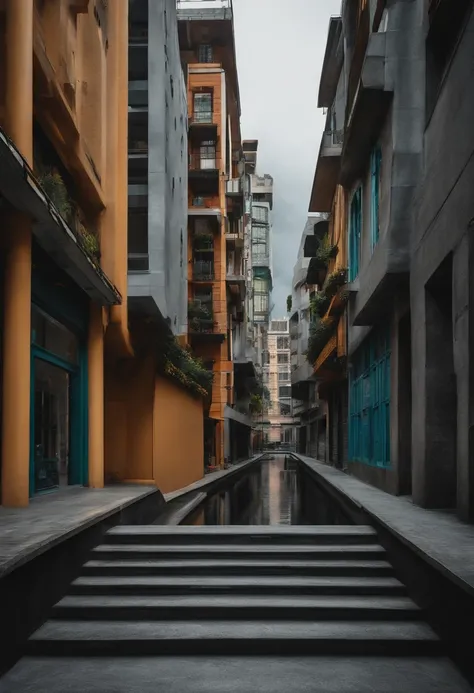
x,y
178,437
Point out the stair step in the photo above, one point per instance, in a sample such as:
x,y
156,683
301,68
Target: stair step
x,y
293,535
355,568
249,552
277,674
233,638
252,585
228,607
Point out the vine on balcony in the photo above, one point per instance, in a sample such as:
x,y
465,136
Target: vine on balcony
x,y
319,334
326,251
180,365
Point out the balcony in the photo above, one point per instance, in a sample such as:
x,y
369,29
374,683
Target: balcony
x,y
137,195
21,189
368,111
235,232
327,171
202,324
235,279
202,126
204,207
203,271
233,187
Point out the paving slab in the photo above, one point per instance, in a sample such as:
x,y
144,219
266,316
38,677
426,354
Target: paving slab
x,y
234,675
53,518
438,536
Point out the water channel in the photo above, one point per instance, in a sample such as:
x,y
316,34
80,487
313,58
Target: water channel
x,y
275,491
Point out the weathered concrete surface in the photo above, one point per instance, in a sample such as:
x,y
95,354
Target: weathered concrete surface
x,y
53,518
439,537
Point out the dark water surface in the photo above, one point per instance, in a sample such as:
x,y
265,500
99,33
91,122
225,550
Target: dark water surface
x,y
275,492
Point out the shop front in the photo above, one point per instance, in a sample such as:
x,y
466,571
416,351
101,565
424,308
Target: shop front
x,y
59,407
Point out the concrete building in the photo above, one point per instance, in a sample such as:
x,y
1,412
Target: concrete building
x,y
85,376
279,425
216,271
308,410
441,276
157,165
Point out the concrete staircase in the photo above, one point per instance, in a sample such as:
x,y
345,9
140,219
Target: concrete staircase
x,y
236,609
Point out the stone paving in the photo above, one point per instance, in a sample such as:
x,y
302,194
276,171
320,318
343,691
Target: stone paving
x,y
439,536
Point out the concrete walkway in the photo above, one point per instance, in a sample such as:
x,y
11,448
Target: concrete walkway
x,y
438,536
52,518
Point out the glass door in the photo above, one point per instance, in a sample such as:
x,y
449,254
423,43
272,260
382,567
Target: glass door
x,y
51,425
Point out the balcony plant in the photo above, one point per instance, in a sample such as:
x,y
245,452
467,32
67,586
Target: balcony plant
x,y
55,188
198,315
326,251
334,281
320,332
180,365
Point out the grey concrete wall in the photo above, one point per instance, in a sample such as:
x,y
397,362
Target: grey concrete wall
x,y
444,211
167,171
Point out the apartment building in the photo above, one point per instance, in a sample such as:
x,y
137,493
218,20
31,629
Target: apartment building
x,y
308,410
216,270
279,424
90,393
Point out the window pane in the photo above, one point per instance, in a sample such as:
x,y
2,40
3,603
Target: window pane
x,y
49,334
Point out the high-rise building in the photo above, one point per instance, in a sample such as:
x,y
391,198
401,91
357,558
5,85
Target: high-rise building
x,y
216,263
280,423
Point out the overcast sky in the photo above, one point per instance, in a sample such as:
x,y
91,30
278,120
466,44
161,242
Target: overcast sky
x,y
280,50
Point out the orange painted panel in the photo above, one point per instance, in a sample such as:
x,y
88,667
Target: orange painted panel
x,y
178,437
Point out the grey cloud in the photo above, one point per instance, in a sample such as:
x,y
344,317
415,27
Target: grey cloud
x,y
280,50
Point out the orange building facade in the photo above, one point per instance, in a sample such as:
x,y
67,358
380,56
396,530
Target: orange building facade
x,y
87,395
216,267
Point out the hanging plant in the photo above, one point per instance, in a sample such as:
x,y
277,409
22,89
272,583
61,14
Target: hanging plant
x,y
326,251
319,305
54,187
319,335
180,365
334,281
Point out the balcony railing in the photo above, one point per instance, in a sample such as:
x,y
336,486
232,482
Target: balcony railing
x,y
204,117
198,163
203,270
203,243
333,138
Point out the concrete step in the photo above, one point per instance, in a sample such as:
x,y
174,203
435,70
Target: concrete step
x,y
354,568
293,535
81,638
238,607
247,552
252,585
337,674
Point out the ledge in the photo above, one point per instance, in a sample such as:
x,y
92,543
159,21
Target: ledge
x,y
438,537
19,186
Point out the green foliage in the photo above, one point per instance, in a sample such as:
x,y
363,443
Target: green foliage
x,y
289,303
182,366
54,187
335,281
319,334
319,305
326,251
89,242
198,316
256,404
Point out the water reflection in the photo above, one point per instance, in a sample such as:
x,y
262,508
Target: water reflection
x,y
275,492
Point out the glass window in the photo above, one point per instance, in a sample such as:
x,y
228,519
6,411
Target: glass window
x,y
284,391
259,234
50,335
205,53
283,358
260,303
203,107
283,376
260,214
285,408
355,229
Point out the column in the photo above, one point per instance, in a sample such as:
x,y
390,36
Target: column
x,y
17,308
96,397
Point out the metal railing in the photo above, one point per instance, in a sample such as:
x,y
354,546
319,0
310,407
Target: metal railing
x,y
203,270
205,117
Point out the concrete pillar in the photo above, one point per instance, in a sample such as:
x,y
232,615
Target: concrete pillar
x,y
17,308
96,398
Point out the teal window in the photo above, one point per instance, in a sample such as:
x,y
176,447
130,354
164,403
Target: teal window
x,y
355,230
375,172
369,394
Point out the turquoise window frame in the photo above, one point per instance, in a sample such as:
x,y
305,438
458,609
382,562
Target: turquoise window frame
x,y
375,178
78,432
355,232
369,401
